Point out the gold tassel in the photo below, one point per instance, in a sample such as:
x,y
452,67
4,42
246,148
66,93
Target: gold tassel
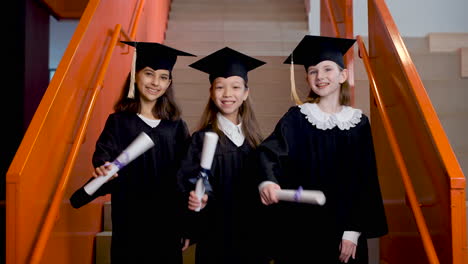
x,y
293,83
131,89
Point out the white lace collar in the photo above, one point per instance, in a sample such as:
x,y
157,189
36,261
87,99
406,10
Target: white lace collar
x,y
347,118
233,132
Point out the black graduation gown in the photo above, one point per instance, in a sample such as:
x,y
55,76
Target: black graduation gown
x,y
145,203
342,164
225,231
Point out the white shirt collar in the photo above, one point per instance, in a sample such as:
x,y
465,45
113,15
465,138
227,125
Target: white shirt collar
x,y
232,131
151,122
347,118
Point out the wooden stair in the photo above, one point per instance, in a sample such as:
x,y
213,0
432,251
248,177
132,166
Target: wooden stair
x,y
103,241
265,29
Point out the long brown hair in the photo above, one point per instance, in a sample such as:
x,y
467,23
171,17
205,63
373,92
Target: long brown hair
x,y
250,126
345,93
165,107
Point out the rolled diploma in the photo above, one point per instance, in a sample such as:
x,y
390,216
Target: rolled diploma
x,y
138,146
303,196
208,150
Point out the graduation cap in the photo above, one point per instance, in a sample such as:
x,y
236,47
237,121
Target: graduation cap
x,y
315,49
226,62
154,55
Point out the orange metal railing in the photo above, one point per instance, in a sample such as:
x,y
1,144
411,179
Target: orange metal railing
x,y
53,158
422,227
433,167
57,198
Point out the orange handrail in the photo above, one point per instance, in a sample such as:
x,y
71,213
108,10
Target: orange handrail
x,y
336,31
414,204
139,10
450,173
52,212
56,200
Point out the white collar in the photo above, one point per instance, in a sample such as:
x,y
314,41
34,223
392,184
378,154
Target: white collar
x,y
232,131
150,122
345,119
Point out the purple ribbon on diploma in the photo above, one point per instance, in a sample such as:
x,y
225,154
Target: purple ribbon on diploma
x,y
121,164
118,164
297,194
204,174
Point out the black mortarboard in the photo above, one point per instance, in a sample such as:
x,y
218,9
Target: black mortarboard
x,y
314,49
154,55
226,62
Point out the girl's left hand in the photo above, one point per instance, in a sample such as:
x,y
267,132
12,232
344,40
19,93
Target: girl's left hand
x,y
185,243
347,250
194,202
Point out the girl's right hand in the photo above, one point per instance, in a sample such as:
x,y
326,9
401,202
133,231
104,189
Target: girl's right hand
x,y
268,193
194,202
102,171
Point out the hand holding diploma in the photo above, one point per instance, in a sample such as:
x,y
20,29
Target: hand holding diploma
x,y
301,196
202,184
272,193
194,203
138,146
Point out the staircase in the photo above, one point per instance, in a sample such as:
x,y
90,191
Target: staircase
x,y
439,63
103,241
269,30
442,66
265,29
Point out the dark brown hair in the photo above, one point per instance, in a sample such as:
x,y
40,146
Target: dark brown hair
x,y
165,107
250,125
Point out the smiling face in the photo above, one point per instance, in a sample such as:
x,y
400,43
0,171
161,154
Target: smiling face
x,y
228,94
152,84
325,78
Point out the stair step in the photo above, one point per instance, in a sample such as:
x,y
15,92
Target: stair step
x,y
447,42
238,16
259,48
247,25
107,218
271,35
464,62
103,245
239,3
199,8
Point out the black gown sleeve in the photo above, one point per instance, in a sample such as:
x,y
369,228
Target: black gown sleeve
x,y
371,212
107,143
183,138
183,141
273,152
106,146
80,197
189,167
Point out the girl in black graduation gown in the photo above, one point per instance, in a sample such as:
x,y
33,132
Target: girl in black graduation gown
x,y
323,144
224,229
145,204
